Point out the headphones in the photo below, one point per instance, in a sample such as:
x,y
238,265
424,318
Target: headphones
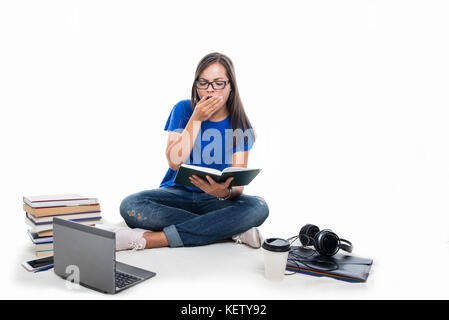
x,y
325,242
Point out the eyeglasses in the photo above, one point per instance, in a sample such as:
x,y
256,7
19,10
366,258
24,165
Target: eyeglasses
x,y
217,85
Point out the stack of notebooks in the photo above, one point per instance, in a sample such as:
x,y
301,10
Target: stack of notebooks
x,y
40,211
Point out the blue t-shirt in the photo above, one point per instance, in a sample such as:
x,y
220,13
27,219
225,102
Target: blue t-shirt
x,y
213,146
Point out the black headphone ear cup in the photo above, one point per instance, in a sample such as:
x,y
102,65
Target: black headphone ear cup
x,y
327,243
317,240
307,234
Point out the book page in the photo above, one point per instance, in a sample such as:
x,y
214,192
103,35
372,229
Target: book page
x,y
234,169
203,169
55,197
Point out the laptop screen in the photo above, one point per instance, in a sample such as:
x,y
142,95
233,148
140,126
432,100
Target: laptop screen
x,y
85,253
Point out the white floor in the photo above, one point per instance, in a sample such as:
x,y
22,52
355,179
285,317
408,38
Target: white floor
x,y
231,271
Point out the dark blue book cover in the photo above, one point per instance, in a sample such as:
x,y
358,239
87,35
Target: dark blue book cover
x,y
340,266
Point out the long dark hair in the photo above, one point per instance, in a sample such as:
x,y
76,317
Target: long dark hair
x,y
239,119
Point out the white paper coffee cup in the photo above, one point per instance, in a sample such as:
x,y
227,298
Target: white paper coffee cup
x,y
275,251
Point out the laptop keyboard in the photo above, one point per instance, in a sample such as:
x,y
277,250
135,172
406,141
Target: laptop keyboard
x,y
122,279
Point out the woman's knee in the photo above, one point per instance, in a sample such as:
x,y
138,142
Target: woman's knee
x,y
263,209
258,209
139,211
125,210
125,207
129,209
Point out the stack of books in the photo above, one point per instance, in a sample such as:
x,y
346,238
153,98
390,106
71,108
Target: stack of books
x,y
40,210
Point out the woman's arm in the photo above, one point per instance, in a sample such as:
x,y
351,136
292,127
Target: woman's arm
x,y
180,145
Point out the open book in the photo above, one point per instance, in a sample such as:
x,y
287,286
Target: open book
x,y
242,176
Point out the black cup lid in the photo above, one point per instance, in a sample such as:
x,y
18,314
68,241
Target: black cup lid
x,y
276,245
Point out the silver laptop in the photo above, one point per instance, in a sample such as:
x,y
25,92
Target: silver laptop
x,y
91,253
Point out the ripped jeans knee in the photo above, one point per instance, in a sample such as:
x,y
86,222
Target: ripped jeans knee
x,y
131,215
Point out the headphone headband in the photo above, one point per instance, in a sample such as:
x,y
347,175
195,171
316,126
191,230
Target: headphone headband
x,y
346,245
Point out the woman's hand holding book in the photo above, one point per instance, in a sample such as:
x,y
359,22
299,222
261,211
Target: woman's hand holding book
x,y
211,187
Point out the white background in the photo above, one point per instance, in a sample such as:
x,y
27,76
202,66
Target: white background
x,y
349,100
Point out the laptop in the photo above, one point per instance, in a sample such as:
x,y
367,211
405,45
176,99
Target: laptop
x,y
91,253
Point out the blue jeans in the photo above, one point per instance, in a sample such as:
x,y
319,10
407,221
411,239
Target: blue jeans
x,y
190,218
